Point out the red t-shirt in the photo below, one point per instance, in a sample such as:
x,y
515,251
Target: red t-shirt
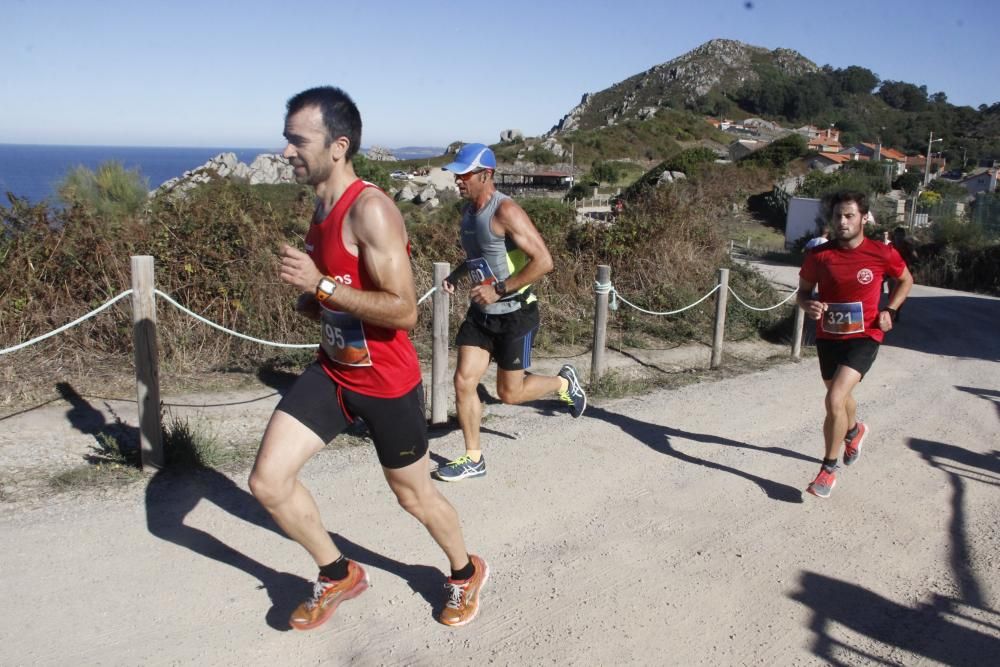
x,y
368,359
850,283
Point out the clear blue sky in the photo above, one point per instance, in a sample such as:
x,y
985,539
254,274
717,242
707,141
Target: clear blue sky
x,y
212,73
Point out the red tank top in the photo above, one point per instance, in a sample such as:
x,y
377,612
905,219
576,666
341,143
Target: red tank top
x,y
368,359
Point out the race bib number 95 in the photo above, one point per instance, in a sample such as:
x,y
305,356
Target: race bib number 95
x,y
343,339
844,318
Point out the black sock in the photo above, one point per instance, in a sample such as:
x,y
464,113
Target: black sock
x,y
830,464
335,571
465,573
852,432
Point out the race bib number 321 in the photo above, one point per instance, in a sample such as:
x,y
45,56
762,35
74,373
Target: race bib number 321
x,y
844,318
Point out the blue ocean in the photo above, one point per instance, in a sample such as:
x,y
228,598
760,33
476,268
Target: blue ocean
x,y
34,172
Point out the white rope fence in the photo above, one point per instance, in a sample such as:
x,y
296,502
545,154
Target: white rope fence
x,y
166,297
65,327
294,346
427,295
599,288
608,288
761,310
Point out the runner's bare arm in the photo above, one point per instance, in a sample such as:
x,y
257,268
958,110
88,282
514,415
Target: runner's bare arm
x,y
378,227
814,309
511,220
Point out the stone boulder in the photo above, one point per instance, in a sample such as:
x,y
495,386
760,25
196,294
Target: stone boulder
x,y
380,154
553,146
425,195
406,193
510,136
670,177
270,169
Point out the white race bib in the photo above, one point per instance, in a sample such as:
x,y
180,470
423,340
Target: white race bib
x,y
844,318
343,338
480,272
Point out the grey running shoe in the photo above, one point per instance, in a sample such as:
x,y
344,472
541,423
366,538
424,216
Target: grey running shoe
x,y
461,468
574,396
852,446
823,484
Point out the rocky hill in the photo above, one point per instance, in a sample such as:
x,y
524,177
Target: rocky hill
x,y
720,66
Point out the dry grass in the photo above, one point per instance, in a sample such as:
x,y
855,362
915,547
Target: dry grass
x,y
215,254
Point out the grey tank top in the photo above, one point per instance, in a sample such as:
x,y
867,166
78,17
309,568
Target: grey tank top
x,y
490,257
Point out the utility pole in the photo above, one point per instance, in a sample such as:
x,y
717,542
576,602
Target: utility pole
x,y
927,166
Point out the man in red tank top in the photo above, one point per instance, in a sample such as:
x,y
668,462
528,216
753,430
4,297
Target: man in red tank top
x,y
850,327
355,280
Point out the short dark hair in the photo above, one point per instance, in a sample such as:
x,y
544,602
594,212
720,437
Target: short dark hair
x,y
340,115
844,197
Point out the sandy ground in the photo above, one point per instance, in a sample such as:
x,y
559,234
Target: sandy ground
x,y
668,528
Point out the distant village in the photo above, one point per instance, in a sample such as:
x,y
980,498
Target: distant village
x,y
753,134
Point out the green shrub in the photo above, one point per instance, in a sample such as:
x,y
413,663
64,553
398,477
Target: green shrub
x,y
112,191
778,153
373,171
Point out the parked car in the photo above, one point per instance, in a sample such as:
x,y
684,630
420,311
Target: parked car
x,y
399,176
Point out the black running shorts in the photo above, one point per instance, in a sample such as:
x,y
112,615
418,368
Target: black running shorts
x,y
856,353
398,426
508,338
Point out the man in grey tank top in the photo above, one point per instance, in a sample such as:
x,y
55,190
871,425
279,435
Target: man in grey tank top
x,y
505,255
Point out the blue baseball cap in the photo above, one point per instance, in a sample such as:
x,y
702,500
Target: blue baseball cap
x,y
472,157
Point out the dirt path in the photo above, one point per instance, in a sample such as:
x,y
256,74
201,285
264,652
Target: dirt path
x,y
668,528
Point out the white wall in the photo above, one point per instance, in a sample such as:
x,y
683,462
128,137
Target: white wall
x,y
803,214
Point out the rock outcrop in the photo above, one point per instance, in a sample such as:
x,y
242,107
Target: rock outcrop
x,y
510,136
266,168
721,65
380,154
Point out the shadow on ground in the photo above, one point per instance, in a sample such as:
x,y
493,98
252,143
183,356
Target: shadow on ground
x,y
661,439
960,630
927,324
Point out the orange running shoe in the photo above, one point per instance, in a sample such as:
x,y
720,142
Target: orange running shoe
x,y
823,484
327,596
852,447
462,604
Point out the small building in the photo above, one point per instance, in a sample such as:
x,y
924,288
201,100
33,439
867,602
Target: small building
x,y
743,147
519,183
828,141
878,153
980,180
828,162
919,163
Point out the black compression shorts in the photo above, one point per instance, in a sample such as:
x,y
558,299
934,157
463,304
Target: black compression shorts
x,y
398,426
856,353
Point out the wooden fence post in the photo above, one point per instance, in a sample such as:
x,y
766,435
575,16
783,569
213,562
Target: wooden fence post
x,y
600,324
147,373
721,297
797,332
439,361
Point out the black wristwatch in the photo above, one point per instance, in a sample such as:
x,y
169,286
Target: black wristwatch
x,y
893,313
500,287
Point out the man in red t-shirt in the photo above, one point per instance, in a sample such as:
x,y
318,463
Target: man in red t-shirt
x,y
850,327
355,279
